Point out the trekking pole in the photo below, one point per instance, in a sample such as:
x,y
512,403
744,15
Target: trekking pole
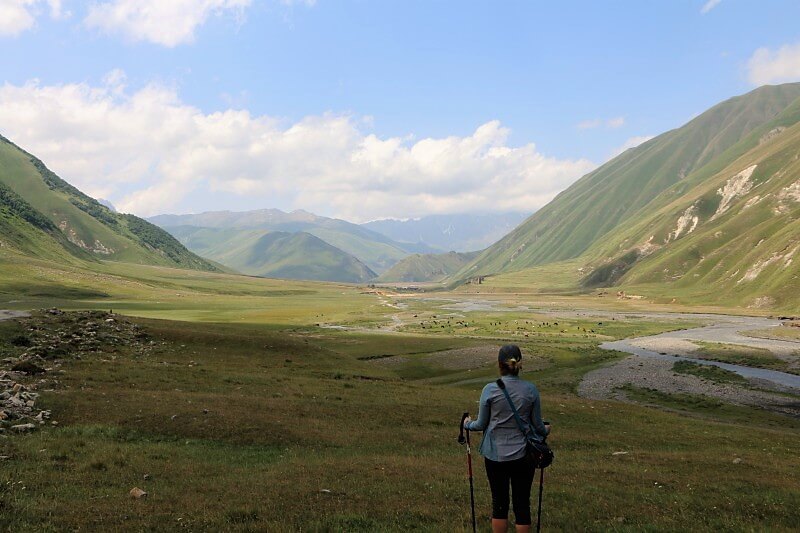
x,y
539,512
463,440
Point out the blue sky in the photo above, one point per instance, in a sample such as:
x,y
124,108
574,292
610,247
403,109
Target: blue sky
x,y
401,90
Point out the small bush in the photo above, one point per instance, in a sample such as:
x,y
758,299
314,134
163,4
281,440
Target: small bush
x,y
21,341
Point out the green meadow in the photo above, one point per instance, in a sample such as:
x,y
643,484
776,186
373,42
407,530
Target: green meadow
x,y
250,413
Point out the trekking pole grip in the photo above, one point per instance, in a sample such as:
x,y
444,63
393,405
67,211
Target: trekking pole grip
x,y
461,438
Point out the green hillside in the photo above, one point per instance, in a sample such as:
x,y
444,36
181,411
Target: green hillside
x,y
730,239
375,250
43,215
611,195
427,267
274,254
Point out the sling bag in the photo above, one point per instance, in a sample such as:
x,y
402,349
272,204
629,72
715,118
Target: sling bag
x,y
538,452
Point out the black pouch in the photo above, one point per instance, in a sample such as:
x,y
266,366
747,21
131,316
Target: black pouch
x,y
539,454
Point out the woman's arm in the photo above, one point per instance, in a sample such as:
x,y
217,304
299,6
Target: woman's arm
x,y
536,415
484,410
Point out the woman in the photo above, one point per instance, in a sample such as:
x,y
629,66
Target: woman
x,y
503,444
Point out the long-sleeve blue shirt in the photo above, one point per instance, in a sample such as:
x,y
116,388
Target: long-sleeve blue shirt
x,y
502,438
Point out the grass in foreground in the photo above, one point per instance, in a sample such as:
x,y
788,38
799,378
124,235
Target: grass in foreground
x,y
300,433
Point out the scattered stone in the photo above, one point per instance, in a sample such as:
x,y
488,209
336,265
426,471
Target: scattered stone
x,y
620,453
146,477
325,491
137,494
737,460
23,428
50,337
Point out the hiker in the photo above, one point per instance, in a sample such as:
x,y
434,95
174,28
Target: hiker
x,y
503,445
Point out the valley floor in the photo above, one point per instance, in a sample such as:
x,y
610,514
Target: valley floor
x,y
246,404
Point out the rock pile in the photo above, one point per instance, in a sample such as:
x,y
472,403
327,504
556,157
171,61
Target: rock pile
x,y
51,337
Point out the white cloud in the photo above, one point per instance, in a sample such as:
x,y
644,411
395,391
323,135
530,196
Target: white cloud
x,y
768,66
633,142
165,22
149,152
708,6
616,122
16,16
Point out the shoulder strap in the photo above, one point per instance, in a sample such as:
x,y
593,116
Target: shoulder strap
x,y
518,418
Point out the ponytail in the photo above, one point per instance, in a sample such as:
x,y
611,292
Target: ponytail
x,y
510,367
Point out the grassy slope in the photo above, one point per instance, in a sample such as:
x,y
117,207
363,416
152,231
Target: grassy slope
x,y
304,256
603,199
711,262
427,267
274,254
84,222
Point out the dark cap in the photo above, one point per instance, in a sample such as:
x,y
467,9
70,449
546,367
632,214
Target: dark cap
x,y
508,352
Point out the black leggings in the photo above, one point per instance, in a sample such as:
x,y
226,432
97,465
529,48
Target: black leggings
x,y
519,473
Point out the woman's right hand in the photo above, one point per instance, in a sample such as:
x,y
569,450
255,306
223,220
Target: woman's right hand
x,y
466,422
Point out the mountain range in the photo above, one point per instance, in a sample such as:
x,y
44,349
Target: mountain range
x,y
389,250
276,254
376,251
705,213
